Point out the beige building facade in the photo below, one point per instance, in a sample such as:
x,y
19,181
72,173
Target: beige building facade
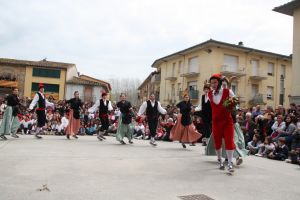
x,y
60,79
261,77
293,9
151,85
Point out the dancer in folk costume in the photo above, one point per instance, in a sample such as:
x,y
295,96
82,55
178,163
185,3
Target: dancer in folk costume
x,y
104,107
184,130
152,109
205,109
42,103
239,141
125,126
222,122
74,116
10,122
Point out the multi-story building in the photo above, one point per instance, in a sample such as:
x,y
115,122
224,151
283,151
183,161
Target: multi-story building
x,y
60,79
150,85
28,74
260,77
293,9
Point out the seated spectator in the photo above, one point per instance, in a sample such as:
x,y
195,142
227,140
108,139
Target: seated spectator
x,y
167,127
159,133
278,126
253,146
287,133
280,111
281,151
266,148
90,129
139,130
256,112
248,127
260,128
268,111
81,129
269,123
26,125
112,129
295,144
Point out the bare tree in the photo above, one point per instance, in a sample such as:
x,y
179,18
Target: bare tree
x,y
129,86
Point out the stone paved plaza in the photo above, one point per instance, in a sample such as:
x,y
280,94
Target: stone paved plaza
x,y
88,169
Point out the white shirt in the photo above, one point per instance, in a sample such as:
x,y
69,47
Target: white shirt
x,y
117,113
2,107
25,123
33,121
95,107
36,99
64,122
144,107
140,127
217,97
199,107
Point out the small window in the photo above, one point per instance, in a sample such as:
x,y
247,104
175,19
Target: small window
x,y
50,73
270,91
193,65
270,69
173,69
49,88
180,68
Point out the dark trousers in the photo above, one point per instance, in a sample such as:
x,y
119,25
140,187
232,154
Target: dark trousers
x,y
104,123
152,123
41,118
207,129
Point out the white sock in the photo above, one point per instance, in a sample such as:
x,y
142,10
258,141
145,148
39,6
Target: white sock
x,y
229,154
219,154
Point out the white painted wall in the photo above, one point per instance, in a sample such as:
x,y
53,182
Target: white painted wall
x,y
71,88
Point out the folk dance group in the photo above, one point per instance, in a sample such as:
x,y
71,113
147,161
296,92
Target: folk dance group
x,y
225,141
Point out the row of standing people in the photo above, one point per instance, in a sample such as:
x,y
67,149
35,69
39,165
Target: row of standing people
x,y
184,131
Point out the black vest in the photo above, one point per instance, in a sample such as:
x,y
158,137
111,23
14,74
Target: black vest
x,y
103,109
152,112
206,110
41,101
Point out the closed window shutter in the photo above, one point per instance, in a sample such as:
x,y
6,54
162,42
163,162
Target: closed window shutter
x,y
193,65
231,63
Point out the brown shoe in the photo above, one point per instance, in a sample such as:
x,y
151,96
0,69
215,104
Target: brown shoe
x,y
75,136
3,137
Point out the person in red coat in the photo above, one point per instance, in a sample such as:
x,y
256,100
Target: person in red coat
x,y
222,122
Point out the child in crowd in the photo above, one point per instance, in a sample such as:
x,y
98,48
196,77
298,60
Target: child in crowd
x,y
253,146
281,151
266,148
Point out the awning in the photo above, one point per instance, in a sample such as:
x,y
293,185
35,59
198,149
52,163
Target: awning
x,y
11,84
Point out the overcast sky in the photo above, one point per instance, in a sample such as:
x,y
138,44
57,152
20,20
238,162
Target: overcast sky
x,y
122,38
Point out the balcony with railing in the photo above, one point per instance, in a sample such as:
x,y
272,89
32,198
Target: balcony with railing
x,y
190,74
258,76
257,99
171,77
227,70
